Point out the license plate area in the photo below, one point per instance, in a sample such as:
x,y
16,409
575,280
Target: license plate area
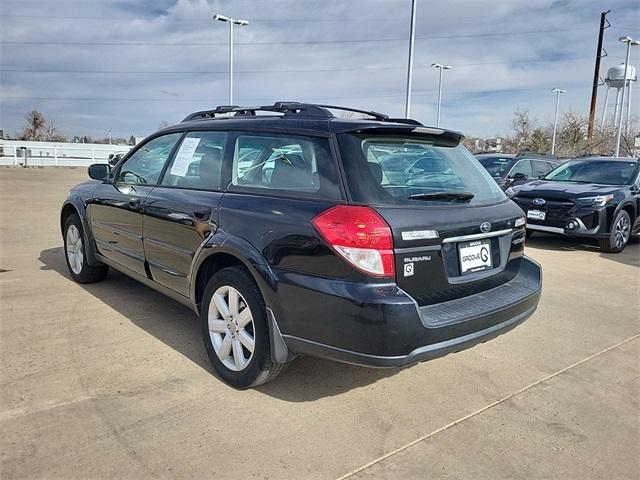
x,y
475,256
536,215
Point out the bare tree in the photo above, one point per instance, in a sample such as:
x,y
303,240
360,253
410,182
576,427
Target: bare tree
x,y
36,127
52,134
522,127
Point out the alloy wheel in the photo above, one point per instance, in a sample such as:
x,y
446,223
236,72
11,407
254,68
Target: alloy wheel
x,y
231,328
622,230
75,254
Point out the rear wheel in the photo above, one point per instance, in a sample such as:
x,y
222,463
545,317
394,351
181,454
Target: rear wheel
x,y
620,233
234,327
76,254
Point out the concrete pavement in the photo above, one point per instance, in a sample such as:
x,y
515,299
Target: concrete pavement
x,y
111,380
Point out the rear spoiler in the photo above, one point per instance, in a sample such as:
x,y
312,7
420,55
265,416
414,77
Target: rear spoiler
x,y
438,135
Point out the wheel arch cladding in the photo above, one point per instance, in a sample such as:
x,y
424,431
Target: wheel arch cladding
x,y
68,209
630,209
209,267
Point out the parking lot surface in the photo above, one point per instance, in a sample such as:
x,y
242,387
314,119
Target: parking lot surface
x,y
111,380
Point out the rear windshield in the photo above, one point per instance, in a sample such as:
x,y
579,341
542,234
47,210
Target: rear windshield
x,y
607,172
496,166
397,170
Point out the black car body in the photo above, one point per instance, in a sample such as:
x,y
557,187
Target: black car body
x,y
596,197
509,170
346,266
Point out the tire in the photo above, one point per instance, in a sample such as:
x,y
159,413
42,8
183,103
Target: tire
x,y
237,337
76,256
620,234
529,233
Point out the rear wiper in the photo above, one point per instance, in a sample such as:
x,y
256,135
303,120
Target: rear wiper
x,y
463,196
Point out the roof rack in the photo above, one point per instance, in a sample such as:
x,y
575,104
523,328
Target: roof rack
x,y
292,109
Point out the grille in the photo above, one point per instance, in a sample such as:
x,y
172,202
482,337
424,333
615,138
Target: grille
x,y
556,210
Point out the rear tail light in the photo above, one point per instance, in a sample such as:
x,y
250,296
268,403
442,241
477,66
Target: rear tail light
x,y
360,236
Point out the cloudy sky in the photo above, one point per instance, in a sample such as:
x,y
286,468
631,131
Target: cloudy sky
x,y
130,65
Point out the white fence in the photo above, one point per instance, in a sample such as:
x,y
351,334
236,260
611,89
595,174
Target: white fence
x,y
14,152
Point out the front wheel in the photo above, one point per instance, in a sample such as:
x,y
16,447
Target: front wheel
x,y
76,254
234,327
620,233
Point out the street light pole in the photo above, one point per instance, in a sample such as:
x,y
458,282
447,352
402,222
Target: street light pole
x,y
558,92
630,42
440,67
231,22
109,130
412,37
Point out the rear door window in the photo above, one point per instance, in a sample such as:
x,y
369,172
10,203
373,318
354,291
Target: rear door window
x,y
197,163
541,168
524,167
283,164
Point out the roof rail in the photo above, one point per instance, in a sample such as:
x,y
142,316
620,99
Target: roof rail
x,y
294,109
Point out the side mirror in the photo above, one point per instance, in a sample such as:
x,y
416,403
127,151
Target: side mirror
x,y
520,176
99,171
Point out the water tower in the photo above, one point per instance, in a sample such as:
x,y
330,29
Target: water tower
x,y
615,79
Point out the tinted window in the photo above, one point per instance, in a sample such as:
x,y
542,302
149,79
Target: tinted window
x,y
145,165
523,166
419,167
540,168
608,172
496,166
198,161
291,164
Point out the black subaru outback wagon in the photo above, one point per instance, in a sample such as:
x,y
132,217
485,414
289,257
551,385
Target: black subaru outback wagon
x,y
281,228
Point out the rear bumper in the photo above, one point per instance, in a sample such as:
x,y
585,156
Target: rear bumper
x,y
385,328
427,352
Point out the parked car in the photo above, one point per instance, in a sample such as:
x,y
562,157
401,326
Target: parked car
x,y
509,170
595,197
310,249
114,158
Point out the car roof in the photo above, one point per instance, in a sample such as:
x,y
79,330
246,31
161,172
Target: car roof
x,y
290,116
496,155
614,159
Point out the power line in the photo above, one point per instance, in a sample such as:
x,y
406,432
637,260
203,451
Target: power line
x,y
205,20
315,70
178,100
310,42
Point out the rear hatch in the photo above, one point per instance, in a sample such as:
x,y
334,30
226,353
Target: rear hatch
x,y
454,231
462,259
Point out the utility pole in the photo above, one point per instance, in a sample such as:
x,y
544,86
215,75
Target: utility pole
x,y
412,38
596,72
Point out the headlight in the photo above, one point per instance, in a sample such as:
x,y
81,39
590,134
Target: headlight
x,y
599,201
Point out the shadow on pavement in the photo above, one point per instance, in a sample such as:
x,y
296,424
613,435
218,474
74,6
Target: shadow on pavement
x,y
306,379
545,241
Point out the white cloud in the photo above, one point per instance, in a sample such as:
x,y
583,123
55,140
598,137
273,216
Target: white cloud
x,y
502,52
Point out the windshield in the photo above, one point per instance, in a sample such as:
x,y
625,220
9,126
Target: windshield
x,y
496,166
607,172
410,170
